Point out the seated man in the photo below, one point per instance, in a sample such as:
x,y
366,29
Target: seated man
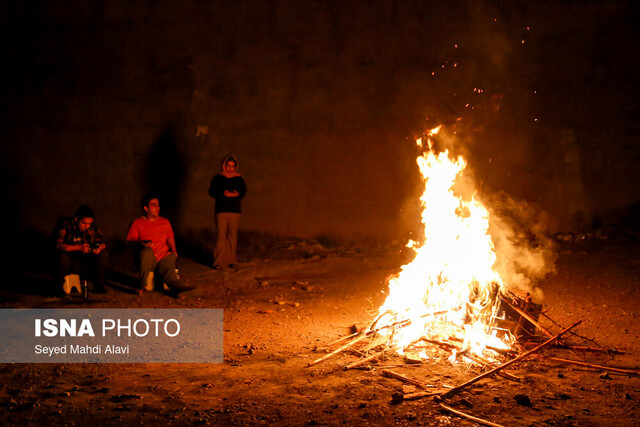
x,y
81,249
154,237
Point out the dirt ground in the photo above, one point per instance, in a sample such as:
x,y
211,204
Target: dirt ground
x,y
272,329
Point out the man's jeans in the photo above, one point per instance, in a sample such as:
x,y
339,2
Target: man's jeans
x,y
165,268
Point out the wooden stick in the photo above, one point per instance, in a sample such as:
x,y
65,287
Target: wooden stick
x,y
368,331
527,316
397,376
469,417
399,365
420,395
455,390
483,361
371,358
339,340
373,331
594,349
358,338
375,356
600,367
338,350
479,360
406,322
375,342
502,351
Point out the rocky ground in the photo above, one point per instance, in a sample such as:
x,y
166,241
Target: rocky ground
x,y
310,297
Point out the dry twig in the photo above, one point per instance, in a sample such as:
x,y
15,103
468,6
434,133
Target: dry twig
x,y
592,349
359,337
600,367
420,394
572,332
339,340
482,361
397,376
469,417
370,358
455,390
338,350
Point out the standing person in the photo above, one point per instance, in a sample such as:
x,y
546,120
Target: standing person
x,y
154,237
81,249
228,188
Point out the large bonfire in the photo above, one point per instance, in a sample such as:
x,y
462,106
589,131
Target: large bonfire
x,y
450,298
451,288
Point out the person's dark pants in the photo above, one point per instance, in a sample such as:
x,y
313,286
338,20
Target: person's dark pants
x,y
166,268
90,267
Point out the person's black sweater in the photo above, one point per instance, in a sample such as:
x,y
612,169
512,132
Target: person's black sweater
x,y
220,184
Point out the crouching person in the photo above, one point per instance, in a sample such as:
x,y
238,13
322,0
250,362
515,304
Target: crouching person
x,y
81,252
152,235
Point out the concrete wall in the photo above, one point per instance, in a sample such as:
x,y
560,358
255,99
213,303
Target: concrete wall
x,y
319,100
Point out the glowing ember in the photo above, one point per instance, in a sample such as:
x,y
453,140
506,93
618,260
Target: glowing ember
x,y
450,288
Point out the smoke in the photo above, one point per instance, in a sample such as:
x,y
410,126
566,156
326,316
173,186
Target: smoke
x,y
525,252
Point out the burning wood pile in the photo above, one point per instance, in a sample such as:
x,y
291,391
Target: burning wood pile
x,y
450,302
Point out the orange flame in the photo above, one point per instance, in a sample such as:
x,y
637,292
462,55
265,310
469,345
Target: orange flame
x,y
452,273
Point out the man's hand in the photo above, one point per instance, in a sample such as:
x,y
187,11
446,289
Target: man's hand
x,y
231,193
85,248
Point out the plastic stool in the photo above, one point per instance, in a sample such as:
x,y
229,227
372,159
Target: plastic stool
x,y
72,281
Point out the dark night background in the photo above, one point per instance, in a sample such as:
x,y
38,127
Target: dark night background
x,y
320,100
